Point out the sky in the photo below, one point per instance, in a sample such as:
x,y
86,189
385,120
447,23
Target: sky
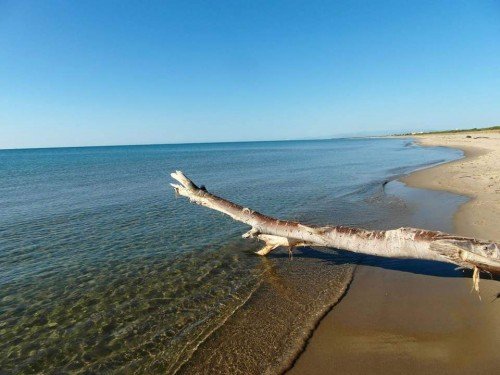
x,y
75,73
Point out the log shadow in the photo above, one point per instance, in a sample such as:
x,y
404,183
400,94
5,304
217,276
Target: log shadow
x,y
415,266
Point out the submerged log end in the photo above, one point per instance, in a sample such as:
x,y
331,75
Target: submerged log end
x,y
266,250
271,243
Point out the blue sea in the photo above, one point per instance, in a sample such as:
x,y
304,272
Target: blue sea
x,y
103,269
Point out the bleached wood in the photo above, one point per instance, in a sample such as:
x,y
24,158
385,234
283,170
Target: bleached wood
x,y
478,255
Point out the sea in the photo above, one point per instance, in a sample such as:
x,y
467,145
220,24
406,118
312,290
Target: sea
x,y
104,270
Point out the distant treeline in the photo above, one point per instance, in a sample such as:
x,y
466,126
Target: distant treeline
x,y
453,131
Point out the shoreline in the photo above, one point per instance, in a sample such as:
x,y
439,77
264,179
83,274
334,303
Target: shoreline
x,y
473,176
375,323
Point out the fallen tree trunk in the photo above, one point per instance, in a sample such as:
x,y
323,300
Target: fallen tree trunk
x,y
403,243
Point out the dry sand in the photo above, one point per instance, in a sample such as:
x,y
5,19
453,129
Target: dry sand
x,y
396,322
477,176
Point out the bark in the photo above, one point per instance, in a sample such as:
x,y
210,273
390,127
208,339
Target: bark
x,y
478,255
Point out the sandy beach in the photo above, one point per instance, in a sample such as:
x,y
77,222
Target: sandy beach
x,y
393,321
477,176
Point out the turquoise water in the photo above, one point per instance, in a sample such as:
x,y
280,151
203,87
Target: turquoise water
x,y
103,269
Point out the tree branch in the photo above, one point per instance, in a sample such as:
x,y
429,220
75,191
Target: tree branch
x,y
413,243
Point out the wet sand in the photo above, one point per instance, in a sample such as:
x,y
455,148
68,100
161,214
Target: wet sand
x,y
410,320
477,176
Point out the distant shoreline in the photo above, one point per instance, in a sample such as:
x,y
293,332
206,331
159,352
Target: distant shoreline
x,y
477,176
256,140
472,130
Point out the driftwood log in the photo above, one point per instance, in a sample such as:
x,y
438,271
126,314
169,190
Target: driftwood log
x,y
465,252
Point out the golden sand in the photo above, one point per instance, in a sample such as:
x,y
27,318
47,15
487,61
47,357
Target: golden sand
x,y
396,322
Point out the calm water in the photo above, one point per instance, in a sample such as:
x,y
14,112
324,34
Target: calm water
x,y
103,269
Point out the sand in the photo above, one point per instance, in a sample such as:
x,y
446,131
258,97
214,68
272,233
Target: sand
x,y
477,176
402,322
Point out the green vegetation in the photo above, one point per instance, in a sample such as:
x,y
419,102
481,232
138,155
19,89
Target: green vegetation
x,y
453,131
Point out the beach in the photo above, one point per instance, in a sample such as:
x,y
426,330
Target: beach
x,y
250,188
395,321
151,284
97,249
477,176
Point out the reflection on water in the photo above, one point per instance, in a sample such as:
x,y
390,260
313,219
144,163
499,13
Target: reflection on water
x,y
101,269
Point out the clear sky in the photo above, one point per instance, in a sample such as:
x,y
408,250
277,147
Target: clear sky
x,y
119,72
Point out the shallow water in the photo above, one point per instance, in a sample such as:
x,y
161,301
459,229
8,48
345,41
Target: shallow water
x,y
101,268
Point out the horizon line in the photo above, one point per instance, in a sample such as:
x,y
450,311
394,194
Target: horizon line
x,y
187,143
385,134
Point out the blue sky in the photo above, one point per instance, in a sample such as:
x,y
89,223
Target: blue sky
x,y
117,72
